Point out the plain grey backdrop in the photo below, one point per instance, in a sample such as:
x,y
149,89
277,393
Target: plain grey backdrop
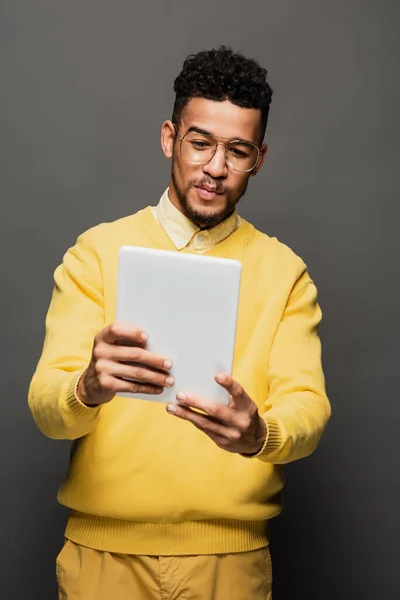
x,y
85,87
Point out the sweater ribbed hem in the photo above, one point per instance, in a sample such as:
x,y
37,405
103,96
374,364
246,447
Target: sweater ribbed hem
x,y
170,539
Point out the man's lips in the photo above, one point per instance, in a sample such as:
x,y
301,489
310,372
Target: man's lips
x,y
209,189
207,193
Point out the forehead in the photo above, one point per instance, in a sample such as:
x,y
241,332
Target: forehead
x,y
223,119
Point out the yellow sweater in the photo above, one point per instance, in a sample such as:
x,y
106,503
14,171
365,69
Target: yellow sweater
x,y
140,481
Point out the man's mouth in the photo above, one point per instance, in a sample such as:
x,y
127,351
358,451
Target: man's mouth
x,y
208,192
209,188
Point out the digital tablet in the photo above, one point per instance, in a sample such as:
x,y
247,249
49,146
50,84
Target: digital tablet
x,y
187,304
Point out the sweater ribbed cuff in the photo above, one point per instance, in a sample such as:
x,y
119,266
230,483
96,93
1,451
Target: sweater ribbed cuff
x,y
72,401
273,439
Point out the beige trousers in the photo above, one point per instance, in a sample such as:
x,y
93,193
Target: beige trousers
x,y
87,574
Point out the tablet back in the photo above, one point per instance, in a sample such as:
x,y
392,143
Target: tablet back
x,y
187,304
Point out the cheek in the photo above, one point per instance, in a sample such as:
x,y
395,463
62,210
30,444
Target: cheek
x,y
184,172
238,182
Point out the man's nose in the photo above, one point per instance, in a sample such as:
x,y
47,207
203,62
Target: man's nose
x,y
217,166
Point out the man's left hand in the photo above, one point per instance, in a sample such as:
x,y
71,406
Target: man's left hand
x,y
236,428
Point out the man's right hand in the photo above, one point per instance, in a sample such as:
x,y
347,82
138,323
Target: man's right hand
x,y
119,353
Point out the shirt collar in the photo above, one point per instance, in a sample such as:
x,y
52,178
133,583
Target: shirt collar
x,y
182,231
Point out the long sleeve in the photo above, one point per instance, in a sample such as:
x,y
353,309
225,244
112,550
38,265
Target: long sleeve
x,y
297,409
74,317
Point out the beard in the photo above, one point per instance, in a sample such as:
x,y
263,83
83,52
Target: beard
x,y
206,220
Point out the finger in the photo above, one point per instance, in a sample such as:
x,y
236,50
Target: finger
x,y
135,373
216,411
118,386
221,441
117,331
239,396
203,422
134,387
137,356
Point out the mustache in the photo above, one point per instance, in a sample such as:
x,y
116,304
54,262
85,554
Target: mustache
x,y
213,183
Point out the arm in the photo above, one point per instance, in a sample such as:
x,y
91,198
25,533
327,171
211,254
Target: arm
x,y
297,409
84,360
74,317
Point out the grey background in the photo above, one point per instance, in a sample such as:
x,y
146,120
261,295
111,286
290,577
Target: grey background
x,y
84,89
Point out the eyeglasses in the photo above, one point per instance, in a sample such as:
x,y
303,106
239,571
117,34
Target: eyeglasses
x,y
199,149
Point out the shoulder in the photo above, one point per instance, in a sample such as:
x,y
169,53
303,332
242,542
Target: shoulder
x,y
100,244
108,231
276,268
271,252
105,239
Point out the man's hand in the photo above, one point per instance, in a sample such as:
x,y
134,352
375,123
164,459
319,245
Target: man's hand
x,y
119,353
236,428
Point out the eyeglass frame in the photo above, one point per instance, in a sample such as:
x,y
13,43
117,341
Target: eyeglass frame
x,y
195,130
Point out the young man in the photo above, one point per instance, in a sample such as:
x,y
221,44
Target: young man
x,y
169,502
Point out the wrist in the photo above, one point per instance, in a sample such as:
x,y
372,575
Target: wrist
x,y
261,442
81,392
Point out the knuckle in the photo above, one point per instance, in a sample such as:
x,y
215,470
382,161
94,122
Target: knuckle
x,y
235,435
179,412
224,442
100,366
114,328
203,422
104,381
185,414
138,373
134,354
134,387
97,369
213,410
241,393
245,423
98,350
111,385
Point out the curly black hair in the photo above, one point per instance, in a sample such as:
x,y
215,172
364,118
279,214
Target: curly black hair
x,y
221,74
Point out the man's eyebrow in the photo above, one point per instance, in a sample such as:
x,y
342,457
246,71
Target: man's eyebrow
x,y
195,129
199,130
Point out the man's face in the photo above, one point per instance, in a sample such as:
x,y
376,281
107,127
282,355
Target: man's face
x,y
207,194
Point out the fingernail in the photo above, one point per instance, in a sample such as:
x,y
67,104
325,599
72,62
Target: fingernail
x,y
167,364
220,377
171,408
170,381
181,396
144,336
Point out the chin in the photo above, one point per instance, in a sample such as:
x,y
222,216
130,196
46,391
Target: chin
x,y
207,217
207,206
207,209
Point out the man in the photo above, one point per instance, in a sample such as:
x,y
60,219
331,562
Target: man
x,y
170,502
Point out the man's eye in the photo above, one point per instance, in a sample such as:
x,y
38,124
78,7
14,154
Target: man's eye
x,y
238,153
200,145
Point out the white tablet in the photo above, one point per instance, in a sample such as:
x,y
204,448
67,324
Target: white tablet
x,y
187,304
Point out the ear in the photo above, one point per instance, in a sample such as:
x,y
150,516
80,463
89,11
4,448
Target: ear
x,y
168,135
263,154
